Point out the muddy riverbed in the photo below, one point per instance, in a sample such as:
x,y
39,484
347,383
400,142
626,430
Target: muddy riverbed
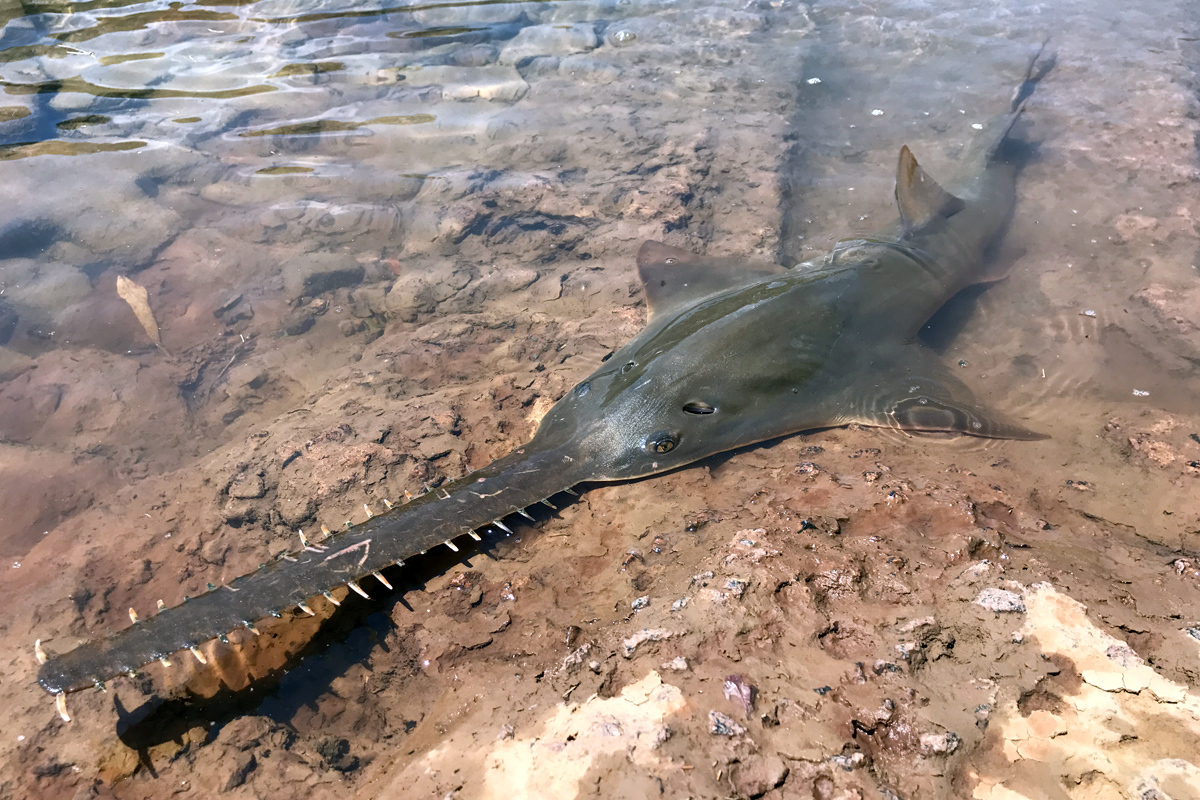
x,y
380,270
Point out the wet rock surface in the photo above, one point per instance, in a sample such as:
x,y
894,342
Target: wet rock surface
x,y
846,613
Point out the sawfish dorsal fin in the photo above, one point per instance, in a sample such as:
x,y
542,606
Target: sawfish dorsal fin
x,y
674,277
920,198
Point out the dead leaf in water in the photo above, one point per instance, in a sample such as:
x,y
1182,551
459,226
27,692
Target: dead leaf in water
x,y
139,300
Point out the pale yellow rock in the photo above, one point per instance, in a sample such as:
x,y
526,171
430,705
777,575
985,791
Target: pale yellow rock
x,y
996,791
1044,725
1104,679
1037,750
1165,691
1137,679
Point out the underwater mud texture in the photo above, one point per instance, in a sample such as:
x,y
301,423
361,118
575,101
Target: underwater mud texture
x,y
847,613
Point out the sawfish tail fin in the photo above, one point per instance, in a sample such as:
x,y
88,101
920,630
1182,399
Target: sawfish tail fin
x,y
983,149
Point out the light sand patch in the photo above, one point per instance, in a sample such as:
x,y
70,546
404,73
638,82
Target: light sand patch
x,y
1126,732
551,763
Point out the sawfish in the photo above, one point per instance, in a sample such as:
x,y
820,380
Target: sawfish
x,y
733,354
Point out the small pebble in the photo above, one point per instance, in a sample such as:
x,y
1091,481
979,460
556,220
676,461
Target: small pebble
x,y
736,586
676,664
942,744
877,112
723,725
847,762
641,602
1140,393
977,126
813,81
1088,312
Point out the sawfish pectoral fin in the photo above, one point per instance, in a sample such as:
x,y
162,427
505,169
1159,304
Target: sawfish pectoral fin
x,y
921,413
915,394
920,198
675,278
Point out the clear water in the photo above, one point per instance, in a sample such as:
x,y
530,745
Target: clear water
x,y
343,207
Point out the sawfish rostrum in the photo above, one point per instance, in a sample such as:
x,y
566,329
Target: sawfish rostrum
x,y
734,353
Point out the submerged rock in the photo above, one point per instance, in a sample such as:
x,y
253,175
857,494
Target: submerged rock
x,y
8,321
467,83
549,40
318,273
14,364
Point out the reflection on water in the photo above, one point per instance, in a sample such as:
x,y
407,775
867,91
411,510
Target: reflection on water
x,y
379,239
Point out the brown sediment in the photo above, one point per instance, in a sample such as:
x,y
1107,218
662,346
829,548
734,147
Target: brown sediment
x,y
835,572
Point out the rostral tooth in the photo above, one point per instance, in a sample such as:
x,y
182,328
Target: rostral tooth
x,y
60,702
133,615
388,503
571,492
330,598
475,536
501,526
38,652
224,637
166,662
367,508
199,656
303,538
548,504
304,607
379,577
525,514
161,605
451,545
353,585
250,627
325,530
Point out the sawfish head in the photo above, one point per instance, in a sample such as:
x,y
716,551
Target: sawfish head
x,y
710,373
737,353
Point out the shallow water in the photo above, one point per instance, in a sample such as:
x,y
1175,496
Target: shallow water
x,y
380,240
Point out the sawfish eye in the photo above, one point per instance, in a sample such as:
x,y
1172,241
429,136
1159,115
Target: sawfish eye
x,y
661,442
699,407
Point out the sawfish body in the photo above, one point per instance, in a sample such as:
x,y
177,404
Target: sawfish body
x,y
734,354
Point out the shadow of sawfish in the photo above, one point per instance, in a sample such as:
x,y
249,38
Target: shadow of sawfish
x,y
734,354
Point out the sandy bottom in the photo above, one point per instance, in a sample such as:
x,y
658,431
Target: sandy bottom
x,y
848,613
